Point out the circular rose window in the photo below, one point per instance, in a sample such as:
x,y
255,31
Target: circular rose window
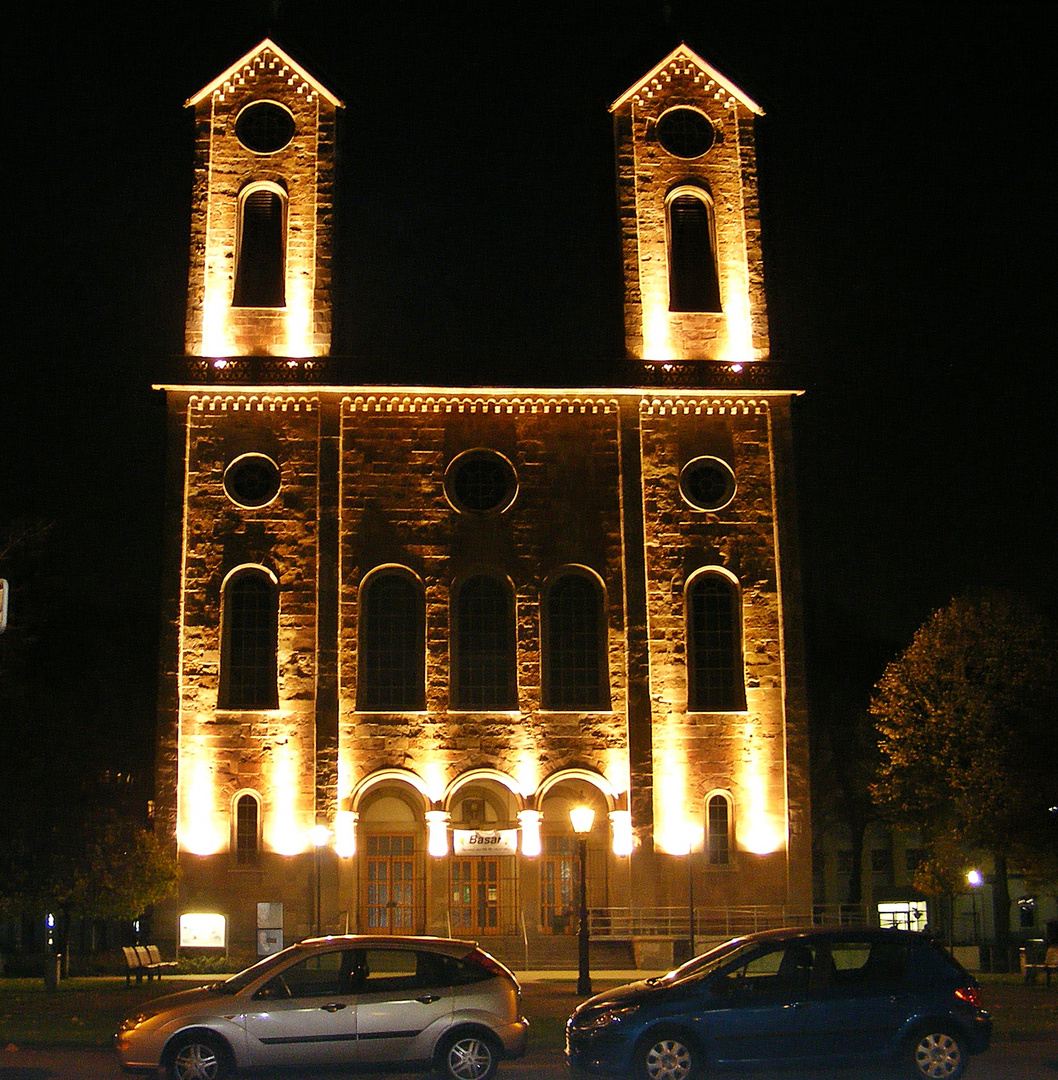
x,y
264,127
685,133
707,483
252,480
480,482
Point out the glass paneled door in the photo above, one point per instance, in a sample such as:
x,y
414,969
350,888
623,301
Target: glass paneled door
x,y
390,884
475,895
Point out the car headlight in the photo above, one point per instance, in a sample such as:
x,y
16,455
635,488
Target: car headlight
x,y
612,1014
130,1023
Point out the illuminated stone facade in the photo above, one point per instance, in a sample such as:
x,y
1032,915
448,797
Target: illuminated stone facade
x,y
432,620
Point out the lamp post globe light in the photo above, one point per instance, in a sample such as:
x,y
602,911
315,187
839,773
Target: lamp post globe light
x,y
320,835
582,818
975,880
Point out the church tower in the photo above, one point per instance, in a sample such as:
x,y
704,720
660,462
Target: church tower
x,y
262,211
687,188
410,628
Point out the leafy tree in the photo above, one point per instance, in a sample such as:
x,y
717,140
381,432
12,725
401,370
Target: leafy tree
x,y
968,729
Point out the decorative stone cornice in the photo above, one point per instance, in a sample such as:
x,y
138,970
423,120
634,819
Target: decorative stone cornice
x,y
573,403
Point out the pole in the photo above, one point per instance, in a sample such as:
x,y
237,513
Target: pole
x,y
583,974
690,894
317,850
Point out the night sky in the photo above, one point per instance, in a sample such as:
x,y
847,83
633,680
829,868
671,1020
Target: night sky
x,y
909,229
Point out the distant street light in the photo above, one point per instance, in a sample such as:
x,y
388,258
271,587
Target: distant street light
x,y
974,880
582,818
320,835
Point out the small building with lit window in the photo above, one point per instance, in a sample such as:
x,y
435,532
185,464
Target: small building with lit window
x,y
410,628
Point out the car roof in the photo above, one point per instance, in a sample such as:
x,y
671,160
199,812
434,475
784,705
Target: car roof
x,y
447,946
833,933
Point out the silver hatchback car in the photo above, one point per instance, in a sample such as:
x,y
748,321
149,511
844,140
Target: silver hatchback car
x,y
338,1001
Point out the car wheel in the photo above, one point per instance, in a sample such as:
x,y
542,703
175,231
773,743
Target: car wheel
x,y
936,1054
198,1057
667,1057
468,1057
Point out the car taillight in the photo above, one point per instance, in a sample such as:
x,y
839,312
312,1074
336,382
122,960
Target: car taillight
x,y
970,994
488,963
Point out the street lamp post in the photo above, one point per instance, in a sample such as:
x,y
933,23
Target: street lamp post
x,y
320,836
974,880
582,818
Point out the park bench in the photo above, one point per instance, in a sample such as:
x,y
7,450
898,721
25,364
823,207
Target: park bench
x,y
143,960
1049,965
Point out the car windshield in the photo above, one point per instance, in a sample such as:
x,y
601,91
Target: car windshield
x,y
262,967
700,966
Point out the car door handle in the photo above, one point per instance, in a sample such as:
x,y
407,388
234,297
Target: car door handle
x,y
429,999
333,1006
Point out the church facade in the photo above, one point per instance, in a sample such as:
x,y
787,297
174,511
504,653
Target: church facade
x,y
408,629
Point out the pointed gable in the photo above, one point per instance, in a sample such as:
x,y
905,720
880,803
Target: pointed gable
x,y
266,57
684,61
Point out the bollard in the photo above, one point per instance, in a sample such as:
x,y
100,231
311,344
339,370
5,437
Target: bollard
x,y
52,968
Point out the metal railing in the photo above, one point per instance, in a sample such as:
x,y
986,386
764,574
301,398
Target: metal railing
x,y
622,923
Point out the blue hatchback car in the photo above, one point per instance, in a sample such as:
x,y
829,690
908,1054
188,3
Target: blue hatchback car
x,y
789,998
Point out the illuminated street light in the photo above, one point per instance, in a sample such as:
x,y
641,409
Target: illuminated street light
x,y
582,818
975,880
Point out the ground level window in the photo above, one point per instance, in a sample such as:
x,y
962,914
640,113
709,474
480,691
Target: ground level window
x,y
390,884
559,882
475,895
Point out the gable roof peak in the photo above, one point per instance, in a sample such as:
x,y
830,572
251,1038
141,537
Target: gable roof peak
x,y
257,56
683,55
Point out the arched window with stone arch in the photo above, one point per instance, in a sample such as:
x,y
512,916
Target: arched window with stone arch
x,y
694,283
483,644
715,676
249,640
260,247
718,823
247,832
575,670
392,642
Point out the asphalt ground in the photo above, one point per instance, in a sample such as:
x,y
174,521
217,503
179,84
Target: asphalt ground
x,y
1027,1053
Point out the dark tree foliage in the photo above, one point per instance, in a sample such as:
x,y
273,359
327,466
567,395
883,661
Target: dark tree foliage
x,y
968,736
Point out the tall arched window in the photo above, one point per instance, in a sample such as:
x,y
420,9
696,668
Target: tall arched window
x,y
249,641
260,263
392,642
483,647
715,680
575,669
718,830
247,830
694,284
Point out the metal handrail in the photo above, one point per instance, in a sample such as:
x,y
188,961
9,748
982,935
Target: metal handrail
x,y
675,922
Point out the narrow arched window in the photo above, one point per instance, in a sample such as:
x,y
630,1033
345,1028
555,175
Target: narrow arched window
x,y
694,284
260,271
247,830
249,641
718,830
715,680
575,670
392,643
483,645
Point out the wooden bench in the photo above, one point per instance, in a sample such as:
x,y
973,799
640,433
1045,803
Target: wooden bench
x,y
143,960
1049,966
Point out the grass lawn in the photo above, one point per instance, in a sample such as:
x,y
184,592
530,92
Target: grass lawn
x,y
87,1012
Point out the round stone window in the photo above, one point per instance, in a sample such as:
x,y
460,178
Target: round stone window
x,y
252,480
685,133
264,127
480,482
707,483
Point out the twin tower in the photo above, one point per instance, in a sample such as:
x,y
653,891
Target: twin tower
x,y
409,629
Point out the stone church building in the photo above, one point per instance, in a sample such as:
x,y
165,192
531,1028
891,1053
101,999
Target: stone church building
x,y
409,628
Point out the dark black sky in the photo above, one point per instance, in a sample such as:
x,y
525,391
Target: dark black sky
x,y
910,234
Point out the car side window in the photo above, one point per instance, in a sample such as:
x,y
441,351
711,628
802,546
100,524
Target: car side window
x,y
782,971
315,976
870,964
388,970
